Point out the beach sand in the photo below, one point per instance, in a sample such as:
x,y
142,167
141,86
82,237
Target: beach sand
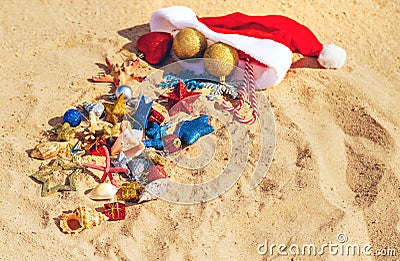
x,y
335,169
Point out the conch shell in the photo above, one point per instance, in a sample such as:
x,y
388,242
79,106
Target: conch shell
x,y
46,150
83,217
103,191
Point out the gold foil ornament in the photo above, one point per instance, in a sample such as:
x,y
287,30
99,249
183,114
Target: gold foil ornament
x,y
115,112
156,158
189,43
131,191
64,132
224,59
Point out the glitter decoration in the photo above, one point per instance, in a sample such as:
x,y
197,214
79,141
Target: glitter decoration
x,y
191,131
44,173
180,99
189,43
73,117
115,112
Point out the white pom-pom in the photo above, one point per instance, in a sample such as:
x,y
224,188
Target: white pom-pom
x,y
332,56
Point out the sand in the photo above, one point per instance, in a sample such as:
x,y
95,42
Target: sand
x,y
335,168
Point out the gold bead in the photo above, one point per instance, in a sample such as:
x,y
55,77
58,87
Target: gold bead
x,y
189,43
222,59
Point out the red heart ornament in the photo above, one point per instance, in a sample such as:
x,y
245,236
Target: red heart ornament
x,y
155,46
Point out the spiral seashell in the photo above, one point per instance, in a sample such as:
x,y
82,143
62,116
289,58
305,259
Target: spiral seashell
x,y
146,196
97,108
45,150
82,218
103,191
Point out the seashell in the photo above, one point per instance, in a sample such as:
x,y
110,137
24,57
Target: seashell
x,y
153,190
82,218
117,147
146,196
96,108
103,191
45,150
135,151
131,138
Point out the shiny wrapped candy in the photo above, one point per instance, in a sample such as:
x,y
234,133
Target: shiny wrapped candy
x,y
156,172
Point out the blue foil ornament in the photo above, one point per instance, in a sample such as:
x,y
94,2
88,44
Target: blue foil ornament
x,y
155,131
190,131
73,117
154,143
141,114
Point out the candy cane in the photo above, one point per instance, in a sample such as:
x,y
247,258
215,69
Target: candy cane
x,y
247,79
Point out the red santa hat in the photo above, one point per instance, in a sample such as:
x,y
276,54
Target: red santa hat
x,y
270,39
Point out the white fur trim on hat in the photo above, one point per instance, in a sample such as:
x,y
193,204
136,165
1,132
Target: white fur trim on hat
x,y
332,56
276,56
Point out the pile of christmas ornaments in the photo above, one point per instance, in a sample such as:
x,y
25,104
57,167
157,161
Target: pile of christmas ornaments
x,y
188,43
131,133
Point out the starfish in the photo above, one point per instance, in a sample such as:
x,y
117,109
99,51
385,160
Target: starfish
x,y
42,175
120,74
76,151
115,112
141,114
108,170
191,131
180,99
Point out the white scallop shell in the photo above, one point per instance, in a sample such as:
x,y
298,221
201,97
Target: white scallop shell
x,y
103,191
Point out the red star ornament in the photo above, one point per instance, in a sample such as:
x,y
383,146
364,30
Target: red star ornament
x,y
180,99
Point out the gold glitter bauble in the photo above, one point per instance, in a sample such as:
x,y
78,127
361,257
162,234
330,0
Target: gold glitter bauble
x,y
224,57
189,43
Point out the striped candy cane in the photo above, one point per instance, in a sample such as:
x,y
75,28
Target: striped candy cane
x,y
247,86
